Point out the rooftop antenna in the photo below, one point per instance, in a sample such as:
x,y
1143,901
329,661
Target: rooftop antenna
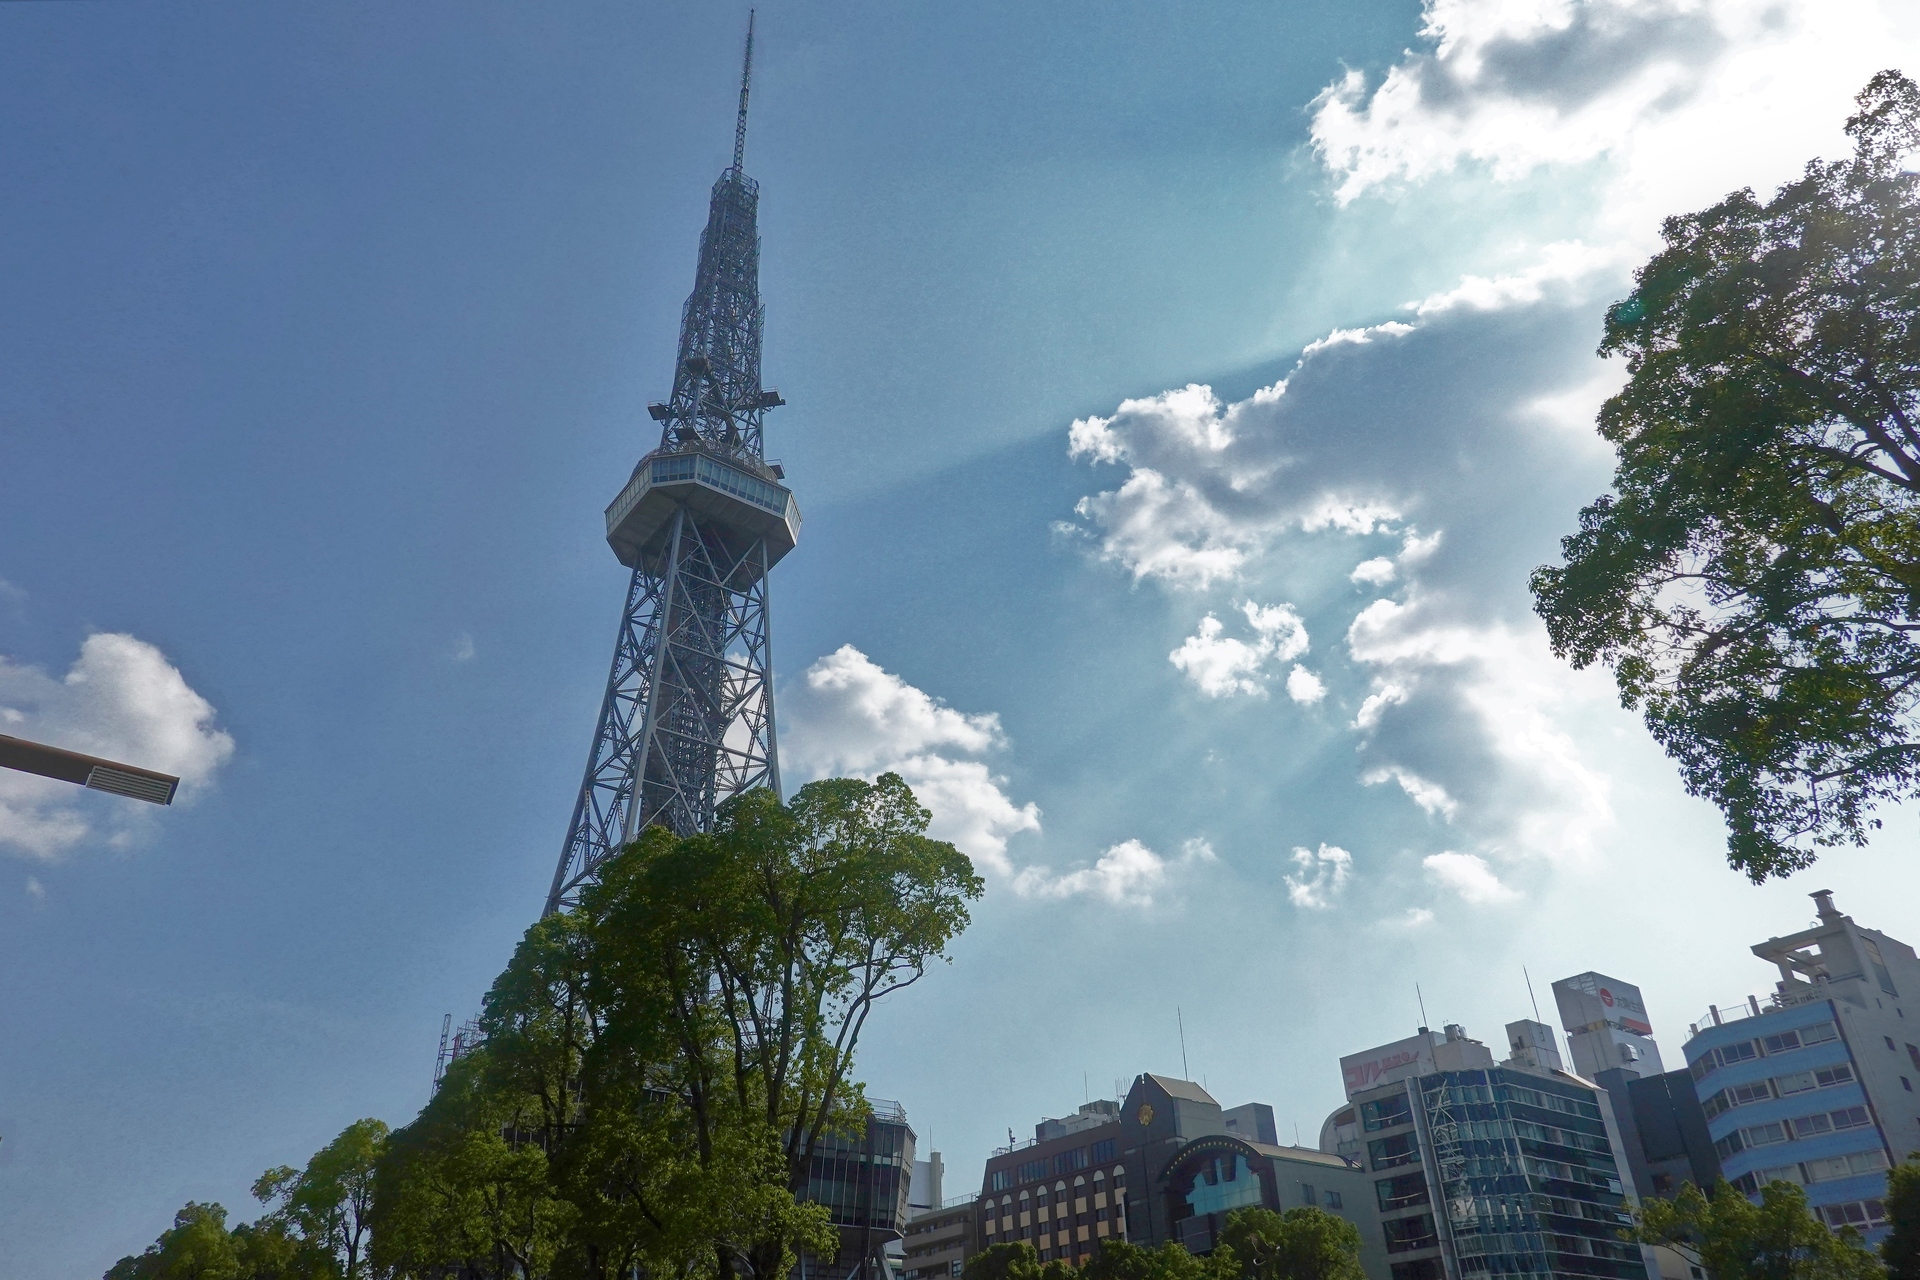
x,y
1185,1074
1424,1024
746,79
1530,995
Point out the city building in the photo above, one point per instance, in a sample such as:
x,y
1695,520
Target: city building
x,y
1817,1085
1485,1169
1167,1163
1611,1042
1062,1191
864,1183
940,1240
1607,1026
1668,1143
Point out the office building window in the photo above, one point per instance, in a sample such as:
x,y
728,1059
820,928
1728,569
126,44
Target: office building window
x,y
1386,1112
1906,1084
1388,1153
1102,1151
1306,1193
1401,1192
1333,1200
1404,1234
1418,1269
1859,1214
1889,1040
1913,1052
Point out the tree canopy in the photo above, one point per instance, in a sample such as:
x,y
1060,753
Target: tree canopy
x,y
659,1066
1255,1244
315,1227
1753,579
1901,1249
1733,1238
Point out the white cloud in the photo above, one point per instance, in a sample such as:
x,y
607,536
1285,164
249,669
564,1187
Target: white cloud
x,y
1221,665
1375,572
1376,704
1563,267
852,717
36,892
1321,877
1468,875
1304,687
463,649
121,700
1533,790
970,806
860,718
1335,337
1430,796
1412,918
1128,873
1511,86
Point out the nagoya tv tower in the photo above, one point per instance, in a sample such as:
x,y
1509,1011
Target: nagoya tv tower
x,y
688,715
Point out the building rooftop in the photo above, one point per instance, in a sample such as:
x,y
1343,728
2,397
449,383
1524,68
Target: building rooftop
x,y
1186,1089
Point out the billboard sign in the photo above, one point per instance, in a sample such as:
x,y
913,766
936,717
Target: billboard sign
x,y
1397,1061
1590,1001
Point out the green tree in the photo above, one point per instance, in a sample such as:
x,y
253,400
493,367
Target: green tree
x,y
743,966
659,1065
1753,580
329,1203
1124,1260
1901,1249
1732,1238
463,1190
1301,1244
196,1247
1016,1261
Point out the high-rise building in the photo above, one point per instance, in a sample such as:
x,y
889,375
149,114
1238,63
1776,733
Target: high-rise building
x,y
864,1182
1607,1026
1485,1169
1610,1038
687,717
1816,1085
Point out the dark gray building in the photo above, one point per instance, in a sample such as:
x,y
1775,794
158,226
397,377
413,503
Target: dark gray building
x,y
863,1181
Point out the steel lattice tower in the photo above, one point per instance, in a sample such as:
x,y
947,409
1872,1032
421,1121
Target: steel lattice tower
x,y
687,719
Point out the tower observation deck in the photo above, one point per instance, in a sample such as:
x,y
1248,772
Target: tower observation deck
x,y
687,718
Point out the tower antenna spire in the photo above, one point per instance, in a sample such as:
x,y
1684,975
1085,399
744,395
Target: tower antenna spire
x,y
746,80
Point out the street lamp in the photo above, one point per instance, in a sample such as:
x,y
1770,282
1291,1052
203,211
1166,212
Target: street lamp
x,y
88,771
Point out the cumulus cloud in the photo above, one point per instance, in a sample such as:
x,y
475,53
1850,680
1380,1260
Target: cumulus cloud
x,y
1493,686
1468,875
36,892
1375,572
1222,665
1304,687
1437,465
463,649
1321,876
851,717
1430,796
1128,873
122,700
1512,87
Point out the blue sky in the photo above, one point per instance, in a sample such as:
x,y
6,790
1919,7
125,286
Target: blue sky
x,y
1178,399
